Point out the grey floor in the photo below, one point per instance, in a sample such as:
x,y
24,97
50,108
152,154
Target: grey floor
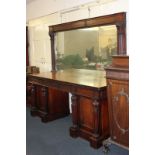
x,y
53,139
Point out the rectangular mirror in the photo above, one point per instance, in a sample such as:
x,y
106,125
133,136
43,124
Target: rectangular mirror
x,y
85,48
88,43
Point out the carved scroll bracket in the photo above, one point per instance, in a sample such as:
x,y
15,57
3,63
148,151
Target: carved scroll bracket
x,y
44,91
96,105
33,89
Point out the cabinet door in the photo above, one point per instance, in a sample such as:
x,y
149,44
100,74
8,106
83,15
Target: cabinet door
x,y
86,114
28,94
119,110
31,95
42,96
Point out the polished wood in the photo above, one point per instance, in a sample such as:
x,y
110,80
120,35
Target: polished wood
x,y
112,19
89,100
68,26
118,19
92,79
52,34
47,103
120,61
118,99
41,100
121,38
30,95
27,46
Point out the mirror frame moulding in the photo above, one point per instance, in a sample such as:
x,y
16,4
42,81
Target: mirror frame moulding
x,y
118,19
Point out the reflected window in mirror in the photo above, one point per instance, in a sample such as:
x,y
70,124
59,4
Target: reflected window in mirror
x,y
86,48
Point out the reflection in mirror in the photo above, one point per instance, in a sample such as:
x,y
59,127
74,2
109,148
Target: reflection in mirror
x,y
87,48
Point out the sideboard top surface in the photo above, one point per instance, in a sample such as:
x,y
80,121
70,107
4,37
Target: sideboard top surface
x,y
91,78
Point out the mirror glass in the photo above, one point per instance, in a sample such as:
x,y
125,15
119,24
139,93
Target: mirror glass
x,y
87,48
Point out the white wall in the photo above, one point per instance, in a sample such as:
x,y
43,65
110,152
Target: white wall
x,y
39,47
40,8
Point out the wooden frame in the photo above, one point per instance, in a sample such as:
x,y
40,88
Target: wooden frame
x,y
118,19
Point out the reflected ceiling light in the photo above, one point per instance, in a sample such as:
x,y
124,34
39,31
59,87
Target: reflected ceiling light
x,y
90,29
110,27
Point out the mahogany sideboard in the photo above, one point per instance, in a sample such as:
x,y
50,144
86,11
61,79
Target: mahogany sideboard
x,y
118,99
89,100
